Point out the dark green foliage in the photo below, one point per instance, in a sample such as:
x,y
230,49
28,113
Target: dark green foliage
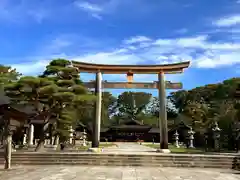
x,y
57,94
201,107
62,69
7,75
70,97
129,105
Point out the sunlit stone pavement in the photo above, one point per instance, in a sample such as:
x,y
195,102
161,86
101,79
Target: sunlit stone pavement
x,y
115,173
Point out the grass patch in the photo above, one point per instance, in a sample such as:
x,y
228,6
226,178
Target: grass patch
x,y
173,149
109,144
83,147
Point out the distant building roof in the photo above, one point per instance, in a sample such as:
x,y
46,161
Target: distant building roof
x,y
104,130
154,130
131,127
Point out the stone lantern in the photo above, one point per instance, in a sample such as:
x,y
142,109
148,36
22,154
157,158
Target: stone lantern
x,y
237,135
216,136
46,141
84,138
24,139
176,137
191,138
206,141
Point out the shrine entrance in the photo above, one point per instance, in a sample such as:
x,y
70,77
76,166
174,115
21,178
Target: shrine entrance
x,y
130,70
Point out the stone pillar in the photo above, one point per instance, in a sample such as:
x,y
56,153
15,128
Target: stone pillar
x,y
84,138
24,139
191,138
31,135
71,136
162,114
8,151
7,144
176,136
36,141
206,141
45,142
216,136
98,106
52,141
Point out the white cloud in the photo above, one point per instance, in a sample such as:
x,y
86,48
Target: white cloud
x,y
120,8
192,41
136,39
56,45
89,7
38,15
17,12
228,21
181,31
218,60
114,57
31,68
144,50
93,9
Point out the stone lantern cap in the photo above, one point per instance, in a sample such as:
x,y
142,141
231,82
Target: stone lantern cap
x,y
191,132
176,133
216,128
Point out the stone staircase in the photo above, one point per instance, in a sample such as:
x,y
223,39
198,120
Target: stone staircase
x,y
126,159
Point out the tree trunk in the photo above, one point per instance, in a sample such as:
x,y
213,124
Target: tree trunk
x,y
56,140
40,145
51,133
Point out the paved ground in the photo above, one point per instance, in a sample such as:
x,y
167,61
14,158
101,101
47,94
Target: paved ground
x,y
129,147
114,173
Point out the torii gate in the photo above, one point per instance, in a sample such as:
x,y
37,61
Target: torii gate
x,y
130,70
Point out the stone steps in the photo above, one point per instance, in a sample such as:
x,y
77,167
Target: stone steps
x,y
124,163
104,159
129,165
124,158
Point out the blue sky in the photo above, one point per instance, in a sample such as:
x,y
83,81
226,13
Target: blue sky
x,y
207,33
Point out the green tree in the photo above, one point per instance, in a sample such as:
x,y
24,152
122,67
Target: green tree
x,y
202,106
130,105
71,97
109,103
7,77
152,113
36,92
179,99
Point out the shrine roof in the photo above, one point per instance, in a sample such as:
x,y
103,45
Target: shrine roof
x,y
154,130
131,127
104,129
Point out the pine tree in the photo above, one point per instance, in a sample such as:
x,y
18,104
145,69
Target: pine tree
x,y
36,92
71,96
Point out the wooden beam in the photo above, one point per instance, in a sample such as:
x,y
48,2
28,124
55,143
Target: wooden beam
x,y
133,85
135,69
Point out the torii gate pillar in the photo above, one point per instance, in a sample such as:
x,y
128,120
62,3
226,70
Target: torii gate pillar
x,y
98,108
162,114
